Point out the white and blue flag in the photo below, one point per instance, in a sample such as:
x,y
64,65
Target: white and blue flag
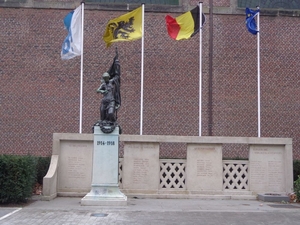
x,y
71,46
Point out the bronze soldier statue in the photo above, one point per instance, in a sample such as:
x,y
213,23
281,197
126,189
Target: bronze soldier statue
x,y
111,101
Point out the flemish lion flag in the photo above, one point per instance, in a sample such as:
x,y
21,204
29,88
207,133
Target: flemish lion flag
x,y
127,27
184,26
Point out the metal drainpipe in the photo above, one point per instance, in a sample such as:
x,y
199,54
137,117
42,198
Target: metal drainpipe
x,y
210,84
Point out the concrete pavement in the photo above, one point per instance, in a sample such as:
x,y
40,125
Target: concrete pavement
x,y
68,211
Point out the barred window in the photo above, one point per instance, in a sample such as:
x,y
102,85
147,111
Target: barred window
x,y
156,2
270,4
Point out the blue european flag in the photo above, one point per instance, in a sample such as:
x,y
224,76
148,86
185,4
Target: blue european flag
x,y
250,20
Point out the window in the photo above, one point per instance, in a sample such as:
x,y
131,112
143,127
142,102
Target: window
x,y
270,4
157,2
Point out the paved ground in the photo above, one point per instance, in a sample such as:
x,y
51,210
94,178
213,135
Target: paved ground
x,y
68,211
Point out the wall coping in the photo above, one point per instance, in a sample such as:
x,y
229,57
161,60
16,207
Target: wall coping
x,y
183,139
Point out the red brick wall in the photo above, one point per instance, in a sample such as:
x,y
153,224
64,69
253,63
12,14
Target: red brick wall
x,y
40,92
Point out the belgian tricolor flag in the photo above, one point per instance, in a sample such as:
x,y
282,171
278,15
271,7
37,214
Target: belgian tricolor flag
x,y
185,25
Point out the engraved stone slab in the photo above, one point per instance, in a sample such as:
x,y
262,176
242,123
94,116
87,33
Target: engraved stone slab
x,y
266,168
141,166
75,172
204,168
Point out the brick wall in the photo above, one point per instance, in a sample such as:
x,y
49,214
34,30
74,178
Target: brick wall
x,y
40,92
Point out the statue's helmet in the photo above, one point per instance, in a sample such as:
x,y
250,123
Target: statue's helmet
x,y
105,75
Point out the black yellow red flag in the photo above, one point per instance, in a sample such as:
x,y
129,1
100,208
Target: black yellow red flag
x,y
184,26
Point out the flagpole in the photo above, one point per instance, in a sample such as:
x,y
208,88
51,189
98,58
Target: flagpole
x,y
200,69
142,72
258,75
81,68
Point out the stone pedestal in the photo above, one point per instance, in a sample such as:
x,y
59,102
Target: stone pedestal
x,y
105,182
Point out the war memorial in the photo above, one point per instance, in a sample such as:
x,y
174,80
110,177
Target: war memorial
x,y
114,154
90,163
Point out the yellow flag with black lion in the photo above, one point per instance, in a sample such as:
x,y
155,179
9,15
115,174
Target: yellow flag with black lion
x,y
127,27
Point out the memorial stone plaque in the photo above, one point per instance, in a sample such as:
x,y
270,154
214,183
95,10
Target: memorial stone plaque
x,y
204,167
75,172
141,166
266,168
